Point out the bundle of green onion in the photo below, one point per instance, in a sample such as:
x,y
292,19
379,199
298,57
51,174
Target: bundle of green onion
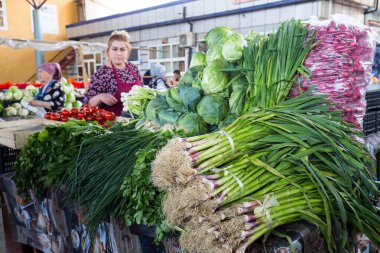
x,y
272,64
297,146
103,163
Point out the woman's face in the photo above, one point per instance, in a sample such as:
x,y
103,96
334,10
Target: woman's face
x,y
118,53
44,76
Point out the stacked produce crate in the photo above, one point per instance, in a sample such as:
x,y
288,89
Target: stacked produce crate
x,y
371,122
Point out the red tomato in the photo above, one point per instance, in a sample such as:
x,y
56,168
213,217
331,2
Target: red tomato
x,y
64,119
65,113
74,111
47,115
86,106
109,116
55,116
87,111
81,115
101,111
90,118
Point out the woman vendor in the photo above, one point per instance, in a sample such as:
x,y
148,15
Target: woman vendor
x,y
117,76
51,95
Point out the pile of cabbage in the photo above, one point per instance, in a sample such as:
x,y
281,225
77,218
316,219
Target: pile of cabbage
x,y
14,93
15,110
209,95
9,101
71,95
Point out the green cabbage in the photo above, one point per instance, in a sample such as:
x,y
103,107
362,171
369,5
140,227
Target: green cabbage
x,y
190,75
70,97
8,95
198,59
168,117
233,47
18,95
212,108
76,104
217,36
69,105
192,124
13,89
214,54
31,89
213,79
197,83
189,95
10,111
174,93
174,100
155,106
22,112
64,81
17,105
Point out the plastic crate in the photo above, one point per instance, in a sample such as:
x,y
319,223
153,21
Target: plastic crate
x,y
370,122
8,157
373,100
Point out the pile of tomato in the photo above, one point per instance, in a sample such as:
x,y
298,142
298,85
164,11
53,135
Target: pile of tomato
x,y
87,112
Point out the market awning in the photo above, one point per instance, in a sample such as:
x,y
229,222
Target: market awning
x,y
52,45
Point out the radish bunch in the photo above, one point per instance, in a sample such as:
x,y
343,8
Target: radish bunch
x,y
341,65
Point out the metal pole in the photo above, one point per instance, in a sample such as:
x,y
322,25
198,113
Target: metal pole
x,y
38,36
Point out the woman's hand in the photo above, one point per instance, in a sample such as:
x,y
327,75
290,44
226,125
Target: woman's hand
x,y
104,98
35,103
44,104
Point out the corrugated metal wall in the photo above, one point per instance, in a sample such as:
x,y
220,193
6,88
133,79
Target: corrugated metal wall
x,y
152,27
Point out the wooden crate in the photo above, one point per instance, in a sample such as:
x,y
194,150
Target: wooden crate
x,y
13,134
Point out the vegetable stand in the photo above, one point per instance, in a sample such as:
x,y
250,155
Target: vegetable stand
x,y
252,146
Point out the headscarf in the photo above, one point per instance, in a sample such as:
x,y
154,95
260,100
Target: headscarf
x,y
53,69
157,70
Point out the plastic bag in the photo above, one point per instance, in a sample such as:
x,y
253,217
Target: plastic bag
x,y
341,64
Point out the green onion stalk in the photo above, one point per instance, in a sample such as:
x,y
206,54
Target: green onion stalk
x,y
226,229
102,164
272,64
299,137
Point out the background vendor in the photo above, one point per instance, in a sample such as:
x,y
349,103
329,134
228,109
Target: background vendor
x,y
51,95
115,77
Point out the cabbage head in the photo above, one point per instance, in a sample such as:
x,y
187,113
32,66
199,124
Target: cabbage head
x,y
168,117
198,59
155,106
18,95
192,124
214,54
174,100
213,109
69,105
233,47
217,36
10,111
76,104
213,79
190,75
13,89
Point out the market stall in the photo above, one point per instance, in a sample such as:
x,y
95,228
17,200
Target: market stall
x,y
258,148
